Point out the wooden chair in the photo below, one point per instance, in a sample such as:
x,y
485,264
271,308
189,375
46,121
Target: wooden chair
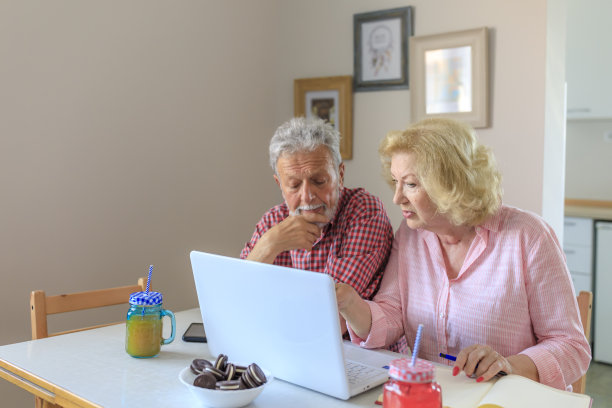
x,y
585,305
42,305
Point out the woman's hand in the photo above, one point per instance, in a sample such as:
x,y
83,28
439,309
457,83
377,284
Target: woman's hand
x,y
481,362
354,309
346,296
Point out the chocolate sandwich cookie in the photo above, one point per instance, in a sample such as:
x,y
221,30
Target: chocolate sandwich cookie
x,y
198,365
205,380
221,362
229,385
219,375
246,380
256,374
230,372
240,370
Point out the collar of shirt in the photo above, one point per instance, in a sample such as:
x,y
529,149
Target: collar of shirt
x,y
480,242
493,223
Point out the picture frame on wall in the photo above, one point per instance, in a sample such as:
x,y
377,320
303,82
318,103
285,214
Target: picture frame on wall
x,y
380,40
449,76
331,99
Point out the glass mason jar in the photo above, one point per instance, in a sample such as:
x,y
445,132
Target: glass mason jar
x,y
410,386
143,325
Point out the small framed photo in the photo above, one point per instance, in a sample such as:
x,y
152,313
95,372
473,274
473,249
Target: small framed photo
x,y
331,99
380,40
449,76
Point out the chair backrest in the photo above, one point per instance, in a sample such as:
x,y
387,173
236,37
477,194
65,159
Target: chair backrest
x,y
42,305
585,305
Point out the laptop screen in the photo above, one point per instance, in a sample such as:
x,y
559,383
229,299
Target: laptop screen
x,y
284,319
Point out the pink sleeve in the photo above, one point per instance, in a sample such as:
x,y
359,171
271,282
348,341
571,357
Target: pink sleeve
x,y
386,308
562,353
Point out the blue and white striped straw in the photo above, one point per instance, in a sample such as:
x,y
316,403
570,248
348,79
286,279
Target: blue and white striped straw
x,y
417,341
149,278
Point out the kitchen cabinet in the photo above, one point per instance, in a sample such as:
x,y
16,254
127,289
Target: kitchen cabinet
x,y
589,87
578,248
602,310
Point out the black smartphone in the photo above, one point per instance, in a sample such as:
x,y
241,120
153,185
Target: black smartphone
x,y
195,333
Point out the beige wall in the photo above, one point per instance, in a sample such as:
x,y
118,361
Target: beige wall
x,y
133,132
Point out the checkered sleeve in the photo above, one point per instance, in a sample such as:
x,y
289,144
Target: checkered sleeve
x,y
248,247
360,256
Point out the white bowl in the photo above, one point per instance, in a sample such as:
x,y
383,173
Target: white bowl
x,y
218,398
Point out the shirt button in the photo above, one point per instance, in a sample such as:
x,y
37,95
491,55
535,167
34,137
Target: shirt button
x,y
441,315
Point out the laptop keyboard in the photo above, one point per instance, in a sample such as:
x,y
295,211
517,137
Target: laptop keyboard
x,y
359,373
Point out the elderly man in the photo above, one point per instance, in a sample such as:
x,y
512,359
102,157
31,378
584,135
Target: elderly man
x,y
322,226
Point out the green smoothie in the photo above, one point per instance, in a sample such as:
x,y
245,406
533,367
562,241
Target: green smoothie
x,y
143,336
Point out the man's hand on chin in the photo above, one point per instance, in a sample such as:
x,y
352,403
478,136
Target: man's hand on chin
x,y
294,232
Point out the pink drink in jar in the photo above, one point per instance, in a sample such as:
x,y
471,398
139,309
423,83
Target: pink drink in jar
x,y
411,386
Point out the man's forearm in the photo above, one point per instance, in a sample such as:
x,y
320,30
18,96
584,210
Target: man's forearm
x,y
262,252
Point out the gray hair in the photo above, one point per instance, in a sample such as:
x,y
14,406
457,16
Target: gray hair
x,y
301,134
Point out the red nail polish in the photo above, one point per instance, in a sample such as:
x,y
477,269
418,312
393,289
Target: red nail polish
x,y
455,371
479,379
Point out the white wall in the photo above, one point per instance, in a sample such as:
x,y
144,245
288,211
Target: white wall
x,y
553,187
589,156
518,89
133,132
589,160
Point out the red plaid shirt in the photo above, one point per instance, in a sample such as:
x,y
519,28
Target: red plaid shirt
x,y
353,247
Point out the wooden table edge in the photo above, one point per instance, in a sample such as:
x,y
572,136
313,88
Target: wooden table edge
x,y
42,388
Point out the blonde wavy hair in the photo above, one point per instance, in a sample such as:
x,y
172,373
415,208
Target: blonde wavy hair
x,y
459,174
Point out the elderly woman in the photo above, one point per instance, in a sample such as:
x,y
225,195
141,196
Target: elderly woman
x,y
488,281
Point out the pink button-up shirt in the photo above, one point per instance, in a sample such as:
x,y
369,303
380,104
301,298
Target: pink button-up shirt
x,y
513,293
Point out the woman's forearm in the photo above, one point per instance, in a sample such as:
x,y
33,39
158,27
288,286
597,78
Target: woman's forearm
x,y
523,365
359,318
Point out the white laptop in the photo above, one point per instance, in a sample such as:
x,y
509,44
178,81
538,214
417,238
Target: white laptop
x,y
286,321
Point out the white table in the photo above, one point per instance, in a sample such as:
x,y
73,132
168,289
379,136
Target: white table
x,y
91,368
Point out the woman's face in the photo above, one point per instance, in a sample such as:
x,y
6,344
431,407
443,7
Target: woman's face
x,y
417,208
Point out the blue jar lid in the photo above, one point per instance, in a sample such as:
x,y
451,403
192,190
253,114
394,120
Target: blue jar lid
x,y
146,298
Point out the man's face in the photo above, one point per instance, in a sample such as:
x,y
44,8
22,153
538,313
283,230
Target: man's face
x,y
309,182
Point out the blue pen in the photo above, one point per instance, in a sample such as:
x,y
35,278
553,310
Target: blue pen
x,y
448,357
